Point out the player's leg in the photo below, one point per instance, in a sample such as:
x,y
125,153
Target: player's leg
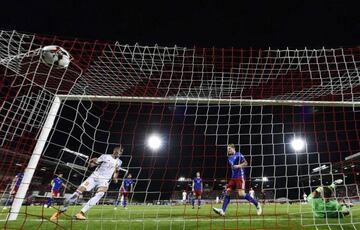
x,y
87,185
117,200
193,200
50,200
102,189
199,201
240,184
124,201
221,211
11,196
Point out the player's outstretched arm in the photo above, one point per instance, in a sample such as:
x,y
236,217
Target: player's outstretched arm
x,y
93,162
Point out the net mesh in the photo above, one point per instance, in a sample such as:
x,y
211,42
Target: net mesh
x,y
198,100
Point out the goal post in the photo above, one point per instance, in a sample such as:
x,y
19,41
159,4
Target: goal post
x,y
222,101
34,160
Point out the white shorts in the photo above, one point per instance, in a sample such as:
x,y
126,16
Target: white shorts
x,y
92,182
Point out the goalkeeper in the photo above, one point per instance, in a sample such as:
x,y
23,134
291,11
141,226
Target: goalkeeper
x,y
325,205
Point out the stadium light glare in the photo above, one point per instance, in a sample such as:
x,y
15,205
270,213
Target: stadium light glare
x,y
298,144
181,178
154,142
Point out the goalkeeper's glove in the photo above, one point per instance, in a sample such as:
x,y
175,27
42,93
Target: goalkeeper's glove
x,y
336,182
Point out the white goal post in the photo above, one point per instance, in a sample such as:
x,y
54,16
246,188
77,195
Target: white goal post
x,y
34,160
202,100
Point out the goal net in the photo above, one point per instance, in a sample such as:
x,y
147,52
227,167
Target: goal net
x,y
292,113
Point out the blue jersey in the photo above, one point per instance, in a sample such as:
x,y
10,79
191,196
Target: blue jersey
x,y
197,184
56,183
236,159
19,177
127,183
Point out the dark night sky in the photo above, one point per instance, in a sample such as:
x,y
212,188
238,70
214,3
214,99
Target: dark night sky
x,y
187,23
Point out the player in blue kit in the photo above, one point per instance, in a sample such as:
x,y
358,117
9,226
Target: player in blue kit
x,y
15,184
56,185
125,189
197,189
237,162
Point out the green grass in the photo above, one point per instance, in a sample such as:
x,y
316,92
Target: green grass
x,y
241,216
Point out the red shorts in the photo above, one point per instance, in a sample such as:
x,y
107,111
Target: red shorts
x,y
124,193
197,193
236,183
55,193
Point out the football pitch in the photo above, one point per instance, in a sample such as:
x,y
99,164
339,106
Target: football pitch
x,y
238,216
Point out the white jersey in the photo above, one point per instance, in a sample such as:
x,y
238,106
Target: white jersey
x,y
252,193
106,167
184,195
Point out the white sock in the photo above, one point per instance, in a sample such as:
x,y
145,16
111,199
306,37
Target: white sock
x,y
71,200
93,201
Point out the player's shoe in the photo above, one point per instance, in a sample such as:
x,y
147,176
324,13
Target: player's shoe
x,y
199,207
55,216
193,207
258,209
219,211
80,216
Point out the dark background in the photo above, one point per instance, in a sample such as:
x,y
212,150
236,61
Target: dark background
x,y
187,23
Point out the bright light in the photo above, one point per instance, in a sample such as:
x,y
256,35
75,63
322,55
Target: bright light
x,y
181,178
154,142
298,144
263,179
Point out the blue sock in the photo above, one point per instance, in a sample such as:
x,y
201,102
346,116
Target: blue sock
x,y
250,199
117,202
193,202
124,203
49,201
199,202
226,202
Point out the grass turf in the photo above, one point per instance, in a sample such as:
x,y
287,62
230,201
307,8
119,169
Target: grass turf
x,y
238,216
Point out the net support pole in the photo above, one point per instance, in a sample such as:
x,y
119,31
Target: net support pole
x,y
34,160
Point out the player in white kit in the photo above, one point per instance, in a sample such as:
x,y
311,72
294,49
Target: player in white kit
x,y
108,166
305,198
184,196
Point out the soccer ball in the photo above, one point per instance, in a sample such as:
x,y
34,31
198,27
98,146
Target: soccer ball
x,y
55,56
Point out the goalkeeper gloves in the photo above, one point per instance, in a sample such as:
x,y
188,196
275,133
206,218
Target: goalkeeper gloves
x,y
336,182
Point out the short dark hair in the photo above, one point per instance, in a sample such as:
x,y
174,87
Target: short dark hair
x,y
118,148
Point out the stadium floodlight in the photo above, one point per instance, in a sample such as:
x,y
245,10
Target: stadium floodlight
x,y
298,144
181,178
262,179
317,169
154,142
